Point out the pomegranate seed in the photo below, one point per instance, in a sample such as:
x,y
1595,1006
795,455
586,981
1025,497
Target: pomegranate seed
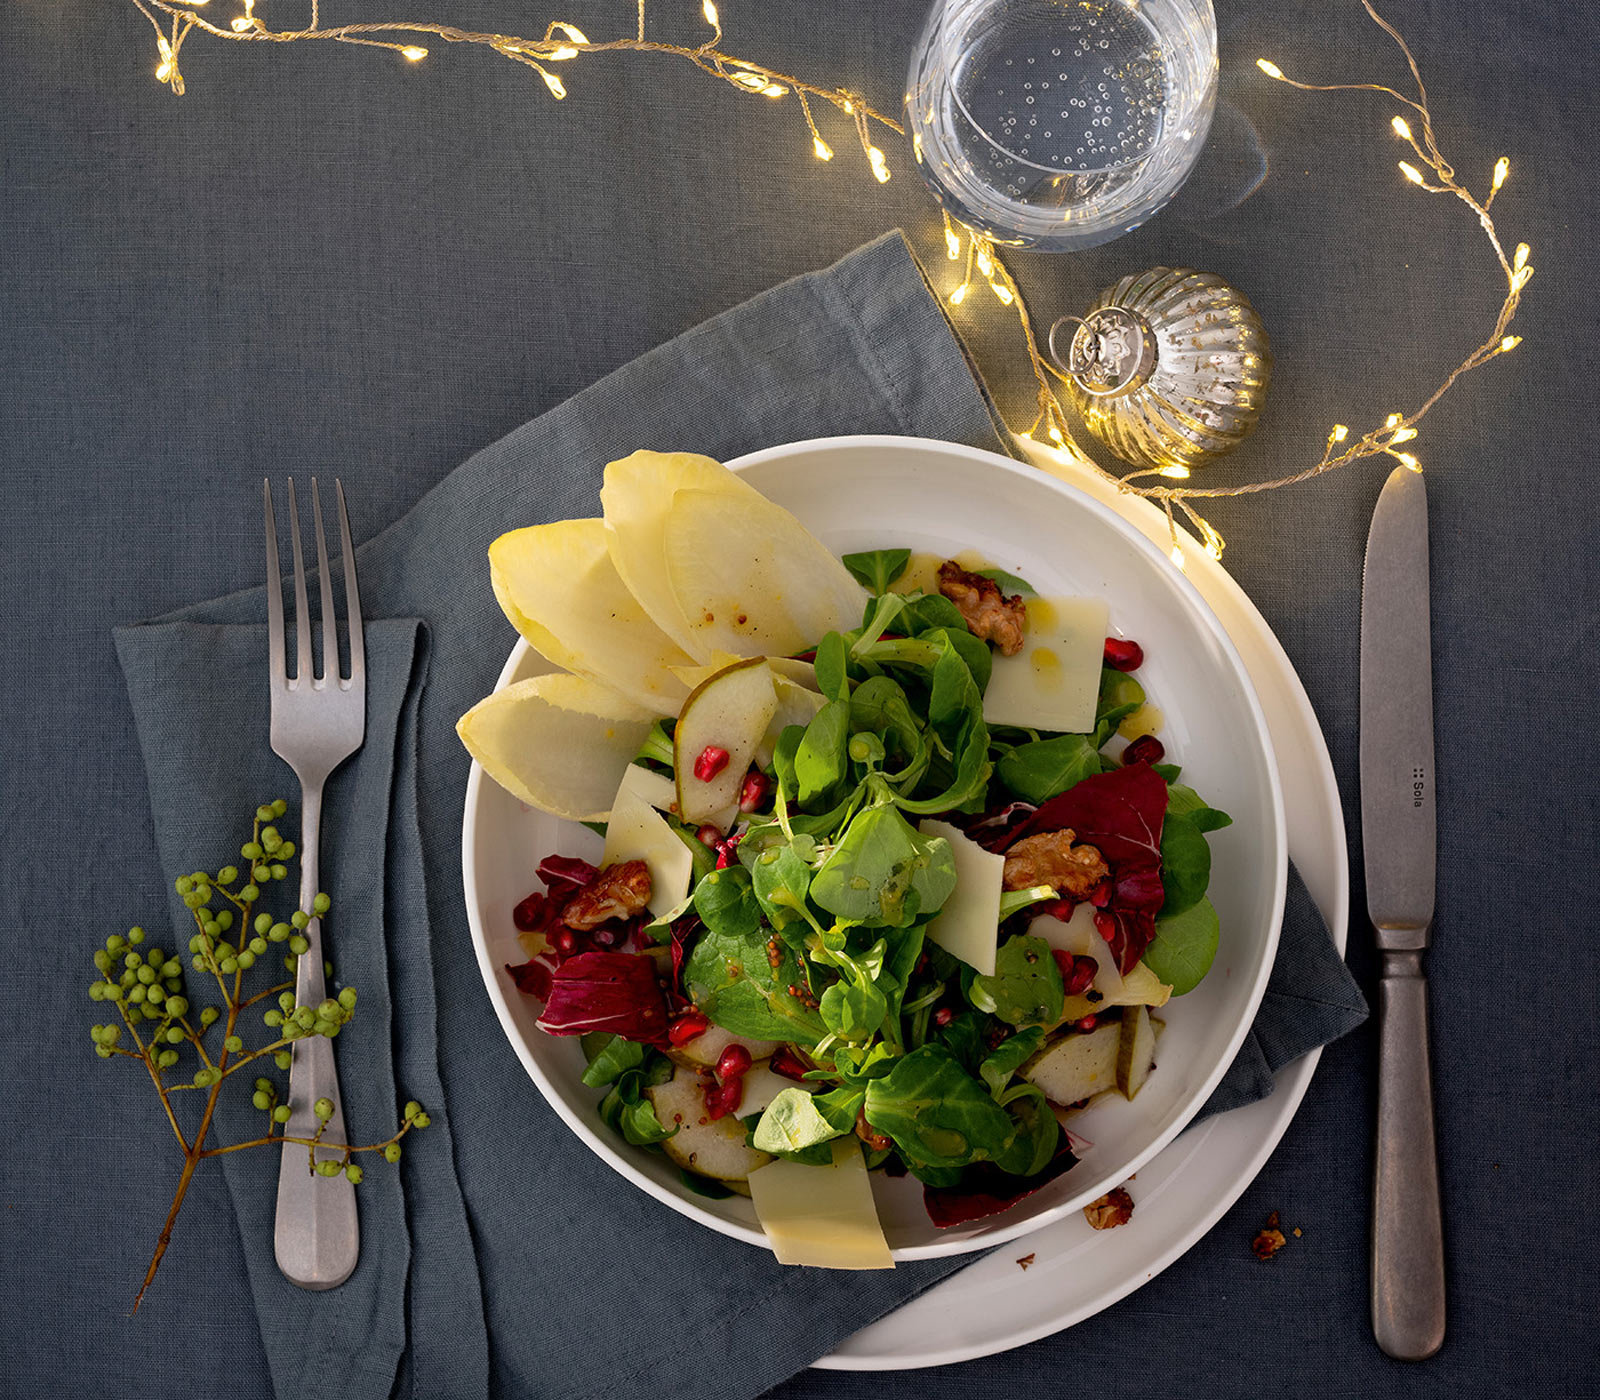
x,y
732,1063
687,1027
785,1062
1100,895
1145,749
565,941
604,937
526,915
1123,655
1082,976
710,835
1064,962
712,761
753,795
1105,925
1088,1023
724,1098
725,851
943,1016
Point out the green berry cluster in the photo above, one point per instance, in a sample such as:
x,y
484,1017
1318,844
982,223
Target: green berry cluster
x,y
147,988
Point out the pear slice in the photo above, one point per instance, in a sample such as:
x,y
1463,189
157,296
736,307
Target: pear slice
x,y
1136,1050
749,578
713,1147
706,1048
636,496
557,585
1077,1066
730,712
557,742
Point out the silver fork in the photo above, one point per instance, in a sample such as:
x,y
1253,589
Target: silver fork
x,y
317,723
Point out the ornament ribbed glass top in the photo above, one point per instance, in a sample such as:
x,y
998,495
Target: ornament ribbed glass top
x,y
1167,368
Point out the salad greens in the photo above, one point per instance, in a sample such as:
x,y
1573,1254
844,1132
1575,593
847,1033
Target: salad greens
x,y
807,924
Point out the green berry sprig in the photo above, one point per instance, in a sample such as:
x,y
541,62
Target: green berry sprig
x,y
174,1039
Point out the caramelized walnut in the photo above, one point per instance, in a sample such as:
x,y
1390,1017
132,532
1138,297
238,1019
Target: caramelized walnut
x,y
617,892
987,612
1112,1209
1051,858
868,1134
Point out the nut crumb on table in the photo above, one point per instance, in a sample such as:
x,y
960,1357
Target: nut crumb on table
x,y
1025,1261
1269,1240
1112,1209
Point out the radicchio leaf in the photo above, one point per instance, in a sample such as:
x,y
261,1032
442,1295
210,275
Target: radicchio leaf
x,y
532,978
564,876
985,1190
615,992
994,828
1120,814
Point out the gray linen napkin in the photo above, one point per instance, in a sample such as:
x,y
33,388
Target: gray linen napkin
x,y
500,1254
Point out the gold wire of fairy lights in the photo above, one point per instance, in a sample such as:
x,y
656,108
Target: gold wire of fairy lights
x,y
174,20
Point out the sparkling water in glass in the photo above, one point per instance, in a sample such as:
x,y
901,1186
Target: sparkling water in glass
x,y
1060,124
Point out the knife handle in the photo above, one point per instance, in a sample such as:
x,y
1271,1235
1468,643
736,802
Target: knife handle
x,y
1407,1232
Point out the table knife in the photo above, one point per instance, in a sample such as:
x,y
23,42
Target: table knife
x,y
1398,841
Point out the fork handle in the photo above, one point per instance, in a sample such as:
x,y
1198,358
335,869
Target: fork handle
x,y
316,1237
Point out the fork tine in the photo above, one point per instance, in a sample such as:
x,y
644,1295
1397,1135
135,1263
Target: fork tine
x,y
352,597
302,611
330,623
275,659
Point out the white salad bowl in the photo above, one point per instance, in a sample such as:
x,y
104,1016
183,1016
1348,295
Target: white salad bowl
x,y
858,493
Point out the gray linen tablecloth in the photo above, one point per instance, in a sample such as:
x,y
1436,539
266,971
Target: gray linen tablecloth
x,y
319,261
860,347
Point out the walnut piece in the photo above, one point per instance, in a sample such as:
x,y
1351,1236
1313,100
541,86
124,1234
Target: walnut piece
x,y
868,1134
1270,1240
617,892
1112,1209
987,612
1051,858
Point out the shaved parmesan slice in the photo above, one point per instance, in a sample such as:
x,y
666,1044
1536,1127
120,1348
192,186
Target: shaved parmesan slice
x,y
635,498
637,831
802,673
796,705
1054,681
749,578
558,586
968,925
558,742
656,788
821,1216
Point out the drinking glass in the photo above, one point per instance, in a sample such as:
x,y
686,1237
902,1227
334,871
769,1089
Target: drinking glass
x,y
1060,124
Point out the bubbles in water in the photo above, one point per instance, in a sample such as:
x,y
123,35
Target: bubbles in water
x,y
1114,90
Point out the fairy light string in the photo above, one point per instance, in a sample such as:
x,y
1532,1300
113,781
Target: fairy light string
x,y
562,43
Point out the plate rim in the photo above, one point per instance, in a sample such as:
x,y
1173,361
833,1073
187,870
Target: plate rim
x,y
1142,543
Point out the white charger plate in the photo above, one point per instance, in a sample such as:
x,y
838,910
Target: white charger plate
x,y
994,1304
852,490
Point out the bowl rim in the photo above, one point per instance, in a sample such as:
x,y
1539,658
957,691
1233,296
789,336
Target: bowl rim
x,y
611,1153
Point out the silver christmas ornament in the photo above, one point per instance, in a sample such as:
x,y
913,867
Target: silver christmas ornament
x,y
1167,368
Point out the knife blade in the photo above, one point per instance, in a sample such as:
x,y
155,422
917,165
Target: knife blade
x,y
1399,847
